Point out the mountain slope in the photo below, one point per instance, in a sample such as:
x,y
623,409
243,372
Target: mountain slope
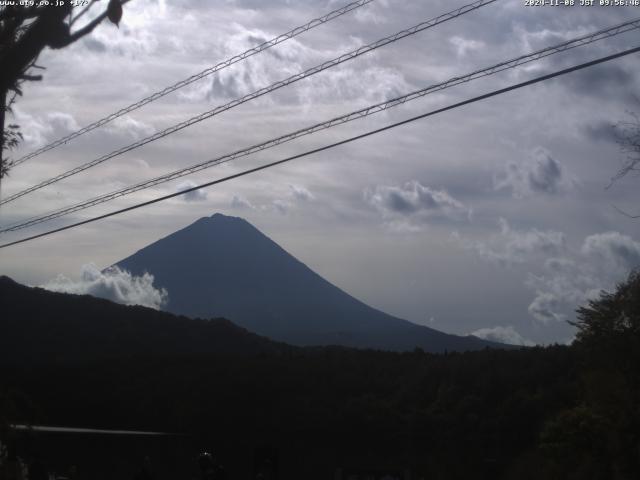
x,y
38,326
223,266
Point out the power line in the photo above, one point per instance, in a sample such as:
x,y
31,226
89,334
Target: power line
x,y
258,93
508,64
336,144
198,76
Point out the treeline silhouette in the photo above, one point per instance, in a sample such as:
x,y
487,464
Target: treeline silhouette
x,y
557,412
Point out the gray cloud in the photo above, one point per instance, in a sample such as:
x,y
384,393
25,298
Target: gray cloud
x,y
540,173
500,334
94,45
415,203
545,176
602,132
113,284
559,265
281,206
601,80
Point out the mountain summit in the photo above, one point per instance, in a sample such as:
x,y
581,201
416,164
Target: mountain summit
x,y
222,266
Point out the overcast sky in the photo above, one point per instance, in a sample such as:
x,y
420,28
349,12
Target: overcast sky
x,y
493,218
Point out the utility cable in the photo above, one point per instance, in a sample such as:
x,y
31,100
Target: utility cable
x,y
333,145
515,62
258,93
198,76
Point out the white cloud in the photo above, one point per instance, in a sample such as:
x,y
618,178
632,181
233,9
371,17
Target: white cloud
x,y
334,85
241,202
296,194
64,122
136,39
517,246
544,307
563,285
113,284
248,76
603,260
507,335
40,129
614,249
373,14
300,193
465,45
564,277
131,128
199,195
375,84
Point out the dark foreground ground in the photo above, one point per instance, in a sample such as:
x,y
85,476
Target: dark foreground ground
x,y
539,413
491,414
99,457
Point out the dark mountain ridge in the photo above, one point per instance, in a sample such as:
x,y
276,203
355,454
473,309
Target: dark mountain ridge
x,y
79,361
222,266
38,326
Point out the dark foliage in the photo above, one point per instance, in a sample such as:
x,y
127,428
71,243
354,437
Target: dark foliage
x,y
39,326
611,325
555,412
602,432
26,29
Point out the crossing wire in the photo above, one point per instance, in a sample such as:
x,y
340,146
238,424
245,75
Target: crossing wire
x,y
258,93
198,76
373,109
333,145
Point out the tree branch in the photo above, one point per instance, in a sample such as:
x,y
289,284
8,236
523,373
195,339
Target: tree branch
x,y
90,26
49,29
38,35
31,78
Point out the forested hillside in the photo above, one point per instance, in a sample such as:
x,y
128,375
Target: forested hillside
x,y
556,412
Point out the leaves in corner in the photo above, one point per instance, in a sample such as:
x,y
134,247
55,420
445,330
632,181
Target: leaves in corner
x,y
114,12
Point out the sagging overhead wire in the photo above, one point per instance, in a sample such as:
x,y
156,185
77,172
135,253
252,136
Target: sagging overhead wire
x,y
379,107
198,76
259,93
333,145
